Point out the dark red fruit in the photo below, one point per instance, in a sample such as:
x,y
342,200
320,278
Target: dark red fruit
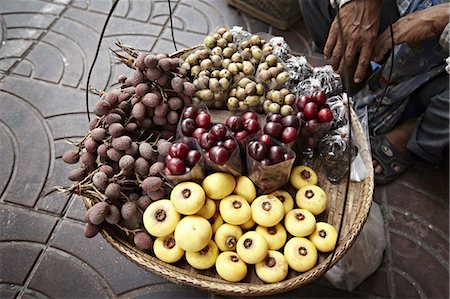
x,y
249,115
273,129
291,121
257,150
310,110
266,139
192,157
218,155
235,123
178,150
302,101
198,132
319,97
189,112
324,115
219,130
288,156
230,145
203,120
251,126
277,118
207,140
188,126
289,135
241,136
176,166
276,154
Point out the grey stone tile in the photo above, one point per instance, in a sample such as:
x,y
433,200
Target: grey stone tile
x,y
166,290
120,273
62,275
11,52
20,224
8,294
24,21
7,152
76,209
29,6
17,260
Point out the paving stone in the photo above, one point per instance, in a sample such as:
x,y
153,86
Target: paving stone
x,y
53,202
19,224
12,50
166,290
376,284
8,294
23,20
76,209
32,141
406,289
62,275
7,152
40,7
109,263
17,260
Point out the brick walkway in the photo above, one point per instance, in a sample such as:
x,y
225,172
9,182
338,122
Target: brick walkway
x,y
47,48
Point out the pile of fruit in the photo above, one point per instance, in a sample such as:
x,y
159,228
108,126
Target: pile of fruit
x,y
156,166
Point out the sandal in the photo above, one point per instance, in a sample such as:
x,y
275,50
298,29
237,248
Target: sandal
x,y
389,158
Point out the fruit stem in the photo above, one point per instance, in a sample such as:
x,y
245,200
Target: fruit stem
x,y
309,194
237,204
169,242
248,242
302,251
322,233
160,215
231,241
270,261
306,175
186,193
300,216
266,205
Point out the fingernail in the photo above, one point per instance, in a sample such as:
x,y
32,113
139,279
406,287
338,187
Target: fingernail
x,y
357,80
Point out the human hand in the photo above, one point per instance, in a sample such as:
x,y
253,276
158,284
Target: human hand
x,y
360,21
414,28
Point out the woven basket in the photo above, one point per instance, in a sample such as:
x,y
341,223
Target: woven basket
x,y
282,14
357,205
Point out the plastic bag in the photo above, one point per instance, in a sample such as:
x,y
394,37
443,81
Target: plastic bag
x,y
364,257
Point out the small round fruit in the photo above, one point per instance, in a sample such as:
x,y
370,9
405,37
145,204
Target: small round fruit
x,y
273,268
285,198
230,267
193,233
235,210
167,250
303,175
248,225
267,210
310,110
208,209
219,155
203,120
300,222
216,221
275,235
226,236
301,254
312,198
218,185
205,258
325,115
245,188
160,218
252,247
176,166
187,198
324,237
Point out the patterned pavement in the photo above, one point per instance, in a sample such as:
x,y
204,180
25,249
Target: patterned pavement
x,y
46,50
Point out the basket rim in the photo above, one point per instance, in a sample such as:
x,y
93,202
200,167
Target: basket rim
x,y
179,275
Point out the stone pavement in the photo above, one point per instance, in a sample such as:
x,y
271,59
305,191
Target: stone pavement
x,y
46,50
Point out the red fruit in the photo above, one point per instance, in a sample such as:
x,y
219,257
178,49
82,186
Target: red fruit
x,y
289,135
291,121
325,115
176,166
234,123
188,126
230,145
273,129
251,126
266,139
310,110
288,156
178,150
276,154
219,130
207,140
198,132
302,101
241,136
203,120
189,112
257,150
249,115
277,118
192,157
319,97
218,155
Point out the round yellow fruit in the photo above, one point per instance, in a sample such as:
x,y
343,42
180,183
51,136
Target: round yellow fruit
x,y
230,267
285,198
300,222
275,235
273,268
245,188
303,175
216,221
301,254
188,198
193,233
267,210
324,237
226,236
312,198
167,250
219,185
160,218
234,209
208,209
205,258
252,247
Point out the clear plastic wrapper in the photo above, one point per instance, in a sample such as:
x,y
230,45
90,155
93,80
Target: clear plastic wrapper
x,y
299,69
233,165
269,178
239,34
339,107
196,172
308,86
312,132
329,80
280,48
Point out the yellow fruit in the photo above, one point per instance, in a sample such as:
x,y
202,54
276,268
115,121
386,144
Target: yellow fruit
x,y
285,198
275,235
324,237
160,218
273,268
216,221
193,233
301,254
167,250
226,236
267,210
312,198
208,209
187,198
248,225
300,222
245,188
234,209
230,267
205,258
252,247
219,185
303,175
